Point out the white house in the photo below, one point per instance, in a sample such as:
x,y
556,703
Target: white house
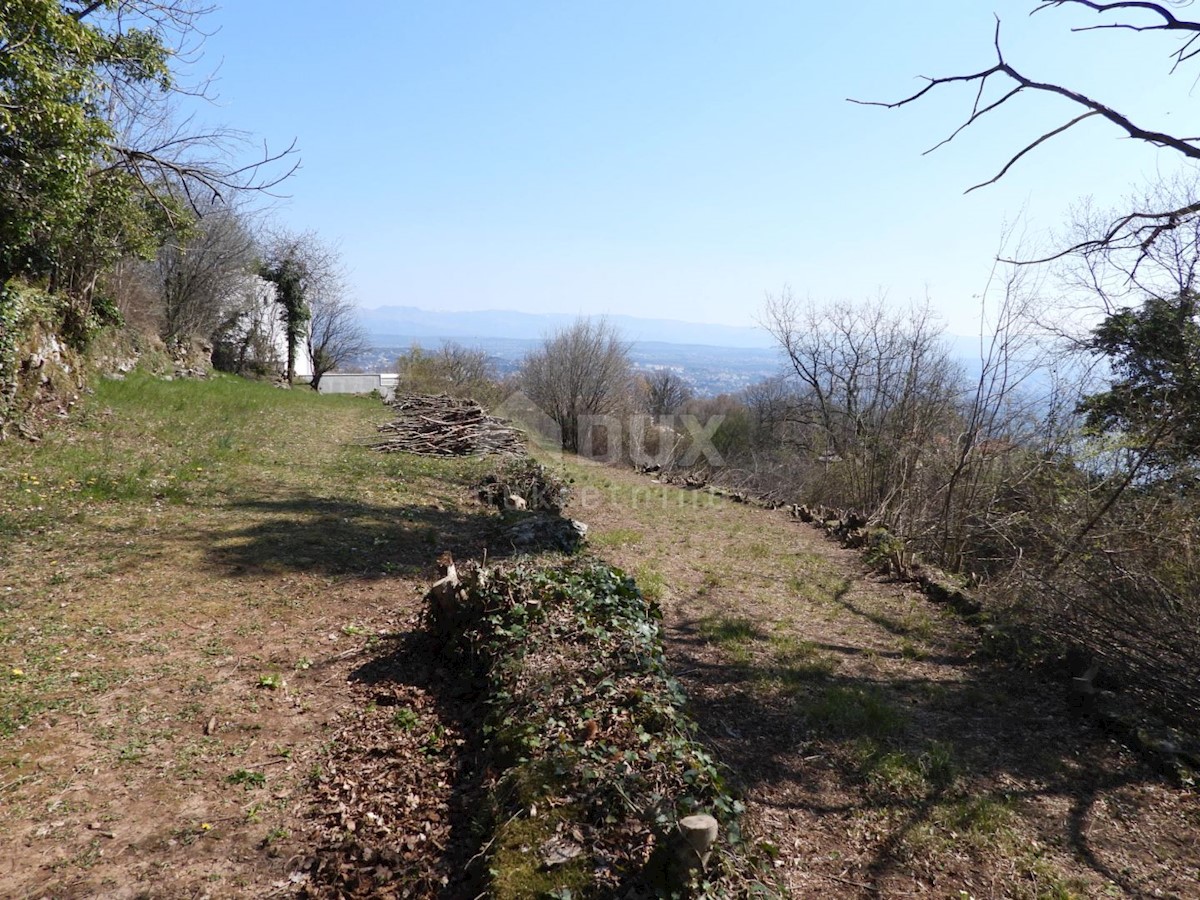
x,y
253,336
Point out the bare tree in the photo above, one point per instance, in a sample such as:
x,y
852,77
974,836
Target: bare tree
x,y
1139,227
663,392
1106,276
178,165
875,387
580,371
198,274
773,405
465,366
1006,431
248,336
335,334
451,369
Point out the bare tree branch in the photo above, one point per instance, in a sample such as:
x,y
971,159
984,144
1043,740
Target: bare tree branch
x,y
1158,138
1138,228
1041,140
1169,23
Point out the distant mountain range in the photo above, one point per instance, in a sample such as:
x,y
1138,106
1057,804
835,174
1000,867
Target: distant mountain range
x,y
387,322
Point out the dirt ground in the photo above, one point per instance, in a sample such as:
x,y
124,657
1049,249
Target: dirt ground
x,y
230,697
881,750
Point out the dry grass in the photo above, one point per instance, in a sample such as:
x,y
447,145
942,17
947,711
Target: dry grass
x,y
878,749
190,573
187,573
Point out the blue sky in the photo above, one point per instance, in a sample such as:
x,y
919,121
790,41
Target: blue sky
x,y
673,159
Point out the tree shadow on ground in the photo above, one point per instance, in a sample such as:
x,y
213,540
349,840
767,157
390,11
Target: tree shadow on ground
x,y
797,728
415,659
342,537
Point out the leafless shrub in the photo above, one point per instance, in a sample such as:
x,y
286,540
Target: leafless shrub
x,y
580,372
451,369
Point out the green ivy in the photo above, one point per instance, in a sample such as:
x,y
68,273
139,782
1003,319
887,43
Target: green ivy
x,y
585,720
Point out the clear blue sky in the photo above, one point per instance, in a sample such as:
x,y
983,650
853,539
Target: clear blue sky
x,y
675,159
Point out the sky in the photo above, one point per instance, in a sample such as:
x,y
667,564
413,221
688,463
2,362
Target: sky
x,y
676,158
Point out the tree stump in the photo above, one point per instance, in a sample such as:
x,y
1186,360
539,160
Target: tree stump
x,y
695,837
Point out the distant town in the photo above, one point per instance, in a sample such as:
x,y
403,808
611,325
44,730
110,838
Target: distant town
x,y
709,371
712,359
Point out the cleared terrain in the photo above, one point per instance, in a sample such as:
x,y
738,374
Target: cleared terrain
x,y
209,603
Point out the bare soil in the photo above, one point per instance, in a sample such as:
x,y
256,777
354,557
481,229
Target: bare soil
x,y
231,695
881,749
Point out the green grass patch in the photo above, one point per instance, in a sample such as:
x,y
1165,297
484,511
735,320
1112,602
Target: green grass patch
x,y
729,632
904,774
852,711
814,584
984,823
616,537
651,582
797,663
247,779
918,624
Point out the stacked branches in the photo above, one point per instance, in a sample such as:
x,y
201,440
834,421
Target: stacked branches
x,y
448,426
585,724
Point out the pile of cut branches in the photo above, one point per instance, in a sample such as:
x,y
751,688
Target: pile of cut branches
x,y
447,426
596,762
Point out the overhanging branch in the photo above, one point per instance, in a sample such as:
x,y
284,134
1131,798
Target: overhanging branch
x,y
1169,22
1141,229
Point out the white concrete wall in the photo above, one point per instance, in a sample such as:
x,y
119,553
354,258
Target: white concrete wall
x,y
355,383
254,308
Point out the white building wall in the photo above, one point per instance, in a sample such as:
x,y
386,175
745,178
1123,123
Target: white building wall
x,y
356,383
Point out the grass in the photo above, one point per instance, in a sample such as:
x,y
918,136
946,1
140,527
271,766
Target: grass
x,y
181,549
616,537
652,583
983,823
903,774
798,662
729,633
174,549
247,779
852,711
860,681
736,636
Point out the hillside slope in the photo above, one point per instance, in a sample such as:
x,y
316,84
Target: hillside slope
x,y
210,644
882,749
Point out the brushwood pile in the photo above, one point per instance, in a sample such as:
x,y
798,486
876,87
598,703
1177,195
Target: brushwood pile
x,y
595,759
447,426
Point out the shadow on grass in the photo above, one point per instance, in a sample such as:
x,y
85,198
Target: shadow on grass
x,y
415,658
937,763
339,537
